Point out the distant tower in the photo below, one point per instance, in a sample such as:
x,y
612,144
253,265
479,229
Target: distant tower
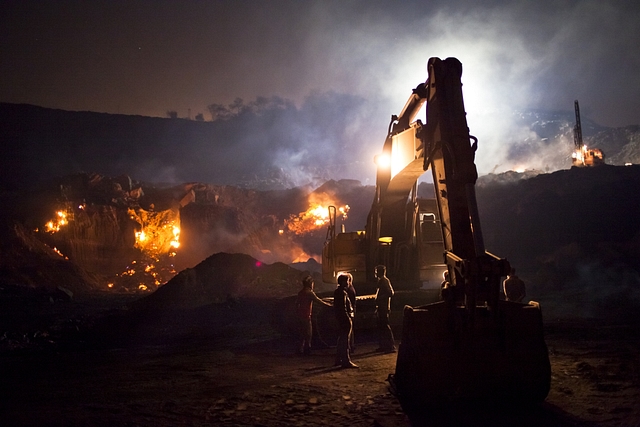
x,y
577,129
581,155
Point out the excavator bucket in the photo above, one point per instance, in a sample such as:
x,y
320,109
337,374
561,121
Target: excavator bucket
x,y
498,358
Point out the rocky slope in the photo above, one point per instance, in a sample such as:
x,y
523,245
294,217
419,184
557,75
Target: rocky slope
x,y
134,236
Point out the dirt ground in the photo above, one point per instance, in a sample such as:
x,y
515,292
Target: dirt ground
x,y
182,371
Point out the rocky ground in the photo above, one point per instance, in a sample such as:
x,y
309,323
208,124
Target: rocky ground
x,y
224,365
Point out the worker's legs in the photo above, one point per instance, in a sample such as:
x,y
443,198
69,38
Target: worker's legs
x,y
305,337
387,340
342,351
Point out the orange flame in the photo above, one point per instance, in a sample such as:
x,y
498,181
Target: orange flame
x,y
317,216
159,233
54,225
157,239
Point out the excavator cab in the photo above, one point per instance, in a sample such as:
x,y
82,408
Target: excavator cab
x,y
471,347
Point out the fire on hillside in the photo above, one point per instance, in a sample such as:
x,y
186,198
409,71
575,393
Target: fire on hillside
x,y
316,217
156,237
135,241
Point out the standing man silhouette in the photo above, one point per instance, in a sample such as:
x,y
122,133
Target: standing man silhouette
x,y
384,294
304,308
344,315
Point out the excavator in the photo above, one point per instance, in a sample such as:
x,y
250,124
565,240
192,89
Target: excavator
x,y
470,346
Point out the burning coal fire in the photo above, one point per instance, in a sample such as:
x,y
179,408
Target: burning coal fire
x,y
316,217
159,233
157,237
59,221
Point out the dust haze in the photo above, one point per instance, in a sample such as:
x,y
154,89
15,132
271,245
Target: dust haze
x,y
323,78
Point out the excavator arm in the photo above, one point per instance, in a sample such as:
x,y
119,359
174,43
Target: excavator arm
x,y
471,347
450,151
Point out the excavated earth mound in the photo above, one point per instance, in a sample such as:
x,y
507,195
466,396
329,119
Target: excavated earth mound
x,y
573,236
225,278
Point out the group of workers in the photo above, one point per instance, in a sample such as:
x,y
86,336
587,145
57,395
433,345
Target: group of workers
x,y
344,307
513,287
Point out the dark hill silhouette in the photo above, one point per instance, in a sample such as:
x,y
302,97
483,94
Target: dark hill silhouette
x,y
267,144
40,143
573,235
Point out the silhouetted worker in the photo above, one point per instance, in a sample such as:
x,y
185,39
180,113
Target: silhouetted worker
x,y
513,286
445,286
383,306
304,305
351,293
344,315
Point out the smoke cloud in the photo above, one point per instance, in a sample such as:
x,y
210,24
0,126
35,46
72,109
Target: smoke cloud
x,y
321,79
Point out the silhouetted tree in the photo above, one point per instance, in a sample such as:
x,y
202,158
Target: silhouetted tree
x,y
225,112
172,114
257,107
200,117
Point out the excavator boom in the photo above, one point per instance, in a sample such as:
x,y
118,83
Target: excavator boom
x,y
472,346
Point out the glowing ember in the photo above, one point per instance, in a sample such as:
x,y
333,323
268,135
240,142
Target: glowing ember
x,y
59,253
55,224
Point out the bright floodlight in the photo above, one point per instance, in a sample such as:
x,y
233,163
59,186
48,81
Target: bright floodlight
x,y
382,160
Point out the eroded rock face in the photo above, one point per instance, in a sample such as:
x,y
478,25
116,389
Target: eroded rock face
x,y
98,222
99,239
27,262
134,236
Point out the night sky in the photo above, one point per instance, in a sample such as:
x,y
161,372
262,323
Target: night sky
x,y
149,57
